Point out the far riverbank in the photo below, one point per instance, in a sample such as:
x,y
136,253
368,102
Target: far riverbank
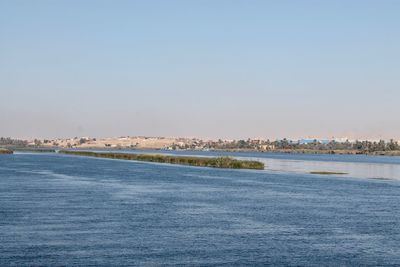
x,y
309,151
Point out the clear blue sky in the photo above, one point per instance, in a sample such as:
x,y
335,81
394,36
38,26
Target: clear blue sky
x,y
230,69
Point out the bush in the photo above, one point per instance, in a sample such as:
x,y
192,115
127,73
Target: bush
x,y
219,162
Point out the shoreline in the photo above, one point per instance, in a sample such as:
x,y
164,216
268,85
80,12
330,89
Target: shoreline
x,y
394,153
282,151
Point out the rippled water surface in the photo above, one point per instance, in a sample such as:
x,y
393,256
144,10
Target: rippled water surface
x,y
67,210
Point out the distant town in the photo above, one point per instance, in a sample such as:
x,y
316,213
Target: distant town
x,y
307,145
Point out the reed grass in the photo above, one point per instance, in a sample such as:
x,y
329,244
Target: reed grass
x,y
218,162
35,150
328,173
5,151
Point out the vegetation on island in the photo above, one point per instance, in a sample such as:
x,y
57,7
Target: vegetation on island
x,y
35,150
328,173
218,162
5,151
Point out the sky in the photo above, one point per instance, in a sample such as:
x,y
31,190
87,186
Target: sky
x,y
209,69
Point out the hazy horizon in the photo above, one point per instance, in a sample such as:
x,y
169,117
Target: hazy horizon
x,y
298,138
209,69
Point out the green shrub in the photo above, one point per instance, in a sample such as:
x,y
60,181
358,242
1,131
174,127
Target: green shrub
x,y
219,162
5,151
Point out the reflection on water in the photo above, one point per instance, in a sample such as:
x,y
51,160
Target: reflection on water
x,y
358,166
353,169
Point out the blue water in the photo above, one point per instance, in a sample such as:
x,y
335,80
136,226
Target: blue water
x,y
66,210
